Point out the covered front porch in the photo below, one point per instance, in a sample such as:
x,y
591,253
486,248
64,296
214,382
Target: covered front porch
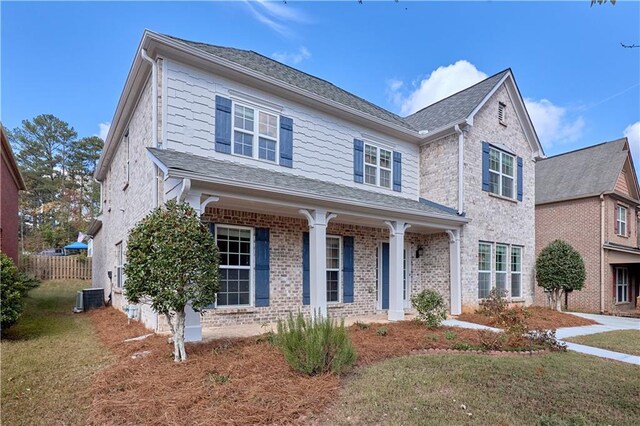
x,y
329,249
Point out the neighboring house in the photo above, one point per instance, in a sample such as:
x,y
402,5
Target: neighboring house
x,y
317,198
11,185
590,198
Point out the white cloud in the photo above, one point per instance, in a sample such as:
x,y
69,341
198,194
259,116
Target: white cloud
x,y
632,133
442,82
552,124
104,130
293,58
275,16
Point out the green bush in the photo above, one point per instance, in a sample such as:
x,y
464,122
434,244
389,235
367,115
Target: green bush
x,y
382,331
14,286
316,345
560,268
495,303
430,306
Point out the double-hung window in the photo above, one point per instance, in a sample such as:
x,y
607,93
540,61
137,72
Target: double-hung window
x,y
333,268
622,285
235,245
501,173
119,265
377,166
247,127
484,270
516,271
501,269
622,221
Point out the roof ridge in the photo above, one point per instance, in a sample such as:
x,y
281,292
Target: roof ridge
x,y
584,148
459,91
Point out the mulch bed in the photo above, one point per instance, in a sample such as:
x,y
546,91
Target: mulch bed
x,y
232,381
540,319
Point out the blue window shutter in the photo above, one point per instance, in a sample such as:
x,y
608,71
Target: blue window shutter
x,y
347,269
262,267
358,161
519,178
286,141
397,171
485,166
223,125
306,274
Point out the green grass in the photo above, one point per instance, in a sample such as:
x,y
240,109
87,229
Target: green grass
x,y
48,359
554,389
625,341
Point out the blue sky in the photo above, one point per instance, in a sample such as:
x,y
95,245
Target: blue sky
x,y
71,59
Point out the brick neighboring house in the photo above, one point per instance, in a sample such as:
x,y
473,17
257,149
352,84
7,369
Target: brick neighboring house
x,y
317,198
10,187
590,198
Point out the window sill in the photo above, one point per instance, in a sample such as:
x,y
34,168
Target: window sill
x,y
221,310
117,290
500,197
622,303
336,305
517,300
622,236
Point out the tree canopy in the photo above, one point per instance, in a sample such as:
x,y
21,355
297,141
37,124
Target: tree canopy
x,y
559,269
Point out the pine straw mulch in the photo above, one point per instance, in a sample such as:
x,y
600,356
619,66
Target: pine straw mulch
x,y
540,319
232,381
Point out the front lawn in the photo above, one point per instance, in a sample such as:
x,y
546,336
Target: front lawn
x,y
49,358
539,319
624,341
555,389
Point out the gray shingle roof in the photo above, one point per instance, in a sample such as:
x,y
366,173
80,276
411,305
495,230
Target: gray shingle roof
x,y
209,168
302,80
456,107
582,173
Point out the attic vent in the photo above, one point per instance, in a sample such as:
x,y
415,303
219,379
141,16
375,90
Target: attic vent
x,y
502,113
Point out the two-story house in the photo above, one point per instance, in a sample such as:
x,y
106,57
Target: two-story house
x,y
590,198
317,198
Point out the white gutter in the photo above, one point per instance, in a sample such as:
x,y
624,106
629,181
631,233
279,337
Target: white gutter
x,y
154,119
460,169
602,228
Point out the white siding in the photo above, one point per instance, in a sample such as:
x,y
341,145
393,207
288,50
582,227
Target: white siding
x,y
322,144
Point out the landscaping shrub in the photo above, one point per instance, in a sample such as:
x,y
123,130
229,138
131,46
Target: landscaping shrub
x,y
315,345
382,331
494,304
547,339
430,306
14,286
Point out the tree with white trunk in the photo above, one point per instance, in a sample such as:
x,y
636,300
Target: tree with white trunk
x,y
172,261
560,269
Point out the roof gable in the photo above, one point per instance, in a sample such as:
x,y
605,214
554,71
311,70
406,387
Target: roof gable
x,y
583,173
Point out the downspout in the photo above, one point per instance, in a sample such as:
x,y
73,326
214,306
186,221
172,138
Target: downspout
x,y
154,120
602,228
460,169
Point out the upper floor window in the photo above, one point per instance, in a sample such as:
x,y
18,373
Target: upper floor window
x,y
377,166
246,129
621,221
502,113
127,159
501,173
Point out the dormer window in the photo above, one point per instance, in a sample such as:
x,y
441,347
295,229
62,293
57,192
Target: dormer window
x,y
502,113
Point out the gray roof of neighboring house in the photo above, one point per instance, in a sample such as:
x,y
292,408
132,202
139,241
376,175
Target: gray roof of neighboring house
x,y
586,172
302,80
455,108
240,173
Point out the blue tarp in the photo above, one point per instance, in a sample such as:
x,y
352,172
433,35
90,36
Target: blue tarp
x,y
76,246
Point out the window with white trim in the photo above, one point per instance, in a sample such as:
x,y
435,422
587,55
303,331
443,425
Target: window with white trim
x,y
502,113
377,166
501,269
516,271
622,221
119,265
235,245
501,173
127,160
484,270
622,285
246,128
334,261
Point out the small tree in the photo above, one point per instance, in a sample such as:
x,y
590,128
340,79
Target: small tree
x,y
172,260
14,286
559,269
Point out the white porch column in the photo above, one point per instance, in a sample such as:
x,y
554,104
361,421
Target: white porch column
x,y
318,220
396,267
454,271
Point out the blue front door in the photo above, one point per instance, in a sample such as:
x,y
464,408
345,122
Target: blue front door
x,y
385,275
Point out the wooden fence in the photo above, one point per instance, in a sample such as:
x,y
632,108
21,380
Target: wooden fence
x,y
57,267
